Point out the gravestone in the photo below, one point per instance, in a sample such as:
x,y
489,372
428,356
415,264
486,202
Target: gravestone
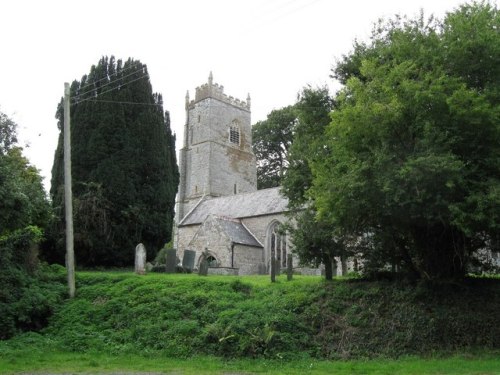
x,y
140,259
289,267
171,261
203,271
188,259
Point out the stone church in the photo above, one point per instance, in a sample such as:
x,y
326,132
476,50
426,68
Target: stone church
x,y
220,213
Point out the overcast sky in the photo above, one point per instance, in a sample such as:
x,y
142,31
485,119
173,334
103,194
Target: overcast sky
x,y
268,48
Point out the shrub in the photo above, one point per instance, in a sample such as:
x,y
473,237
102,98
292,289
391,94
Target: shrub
x,y
29,292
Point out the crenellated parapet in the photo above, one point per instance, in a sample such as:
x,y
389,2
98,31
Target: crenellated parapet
x,y
216,91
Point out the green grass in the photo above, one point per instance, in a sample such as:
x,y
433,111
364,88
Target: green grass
x,y
187,324
61,362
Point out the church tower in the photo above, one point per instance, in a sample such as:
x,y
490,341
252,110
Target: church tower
x,y
217,158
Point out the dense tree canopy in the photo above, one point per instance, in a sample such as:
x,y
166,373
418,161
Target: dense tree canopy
x,y
312,109
412,155
125,174
272,139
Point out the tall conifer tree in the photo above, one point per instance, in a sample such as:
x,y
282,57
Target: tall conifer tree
x,y
125,173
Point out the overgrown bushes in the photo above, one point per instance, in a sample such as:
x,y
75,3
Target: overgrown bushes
x,y
29,292
185,315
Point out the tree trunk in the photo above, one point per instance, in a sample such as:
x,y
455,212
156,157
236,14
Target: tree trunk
x,y
343,261
328,267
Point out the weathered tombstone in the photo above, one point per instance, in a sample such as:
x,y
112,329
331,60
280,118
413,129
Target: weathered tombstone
x,y
289,267
203,271
140,259
188,259
273,269
171,261
262,270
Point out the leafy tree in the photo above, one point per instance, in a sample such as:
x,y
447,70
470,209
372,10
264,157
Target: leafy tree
x,y
27,296
22,197
272,139
8,134
124,167
413,151
314,240
313,109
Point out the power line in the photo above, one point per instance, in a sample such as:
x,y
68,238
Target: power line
x,y
273,14
115,73
292,10
111,89
121,102
75,98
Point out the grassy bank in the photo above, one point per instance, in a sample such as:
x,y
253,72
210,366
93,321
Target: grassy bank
x,y
46,361
219,319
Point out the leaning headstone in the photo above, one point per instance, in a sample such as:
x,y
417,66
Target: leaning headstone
x,y
289,267
140,259
188,259
171,261
203,271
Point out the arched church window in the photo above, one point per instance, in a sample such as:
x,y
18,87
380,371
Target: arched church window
x,y
278,245
234,133
212,262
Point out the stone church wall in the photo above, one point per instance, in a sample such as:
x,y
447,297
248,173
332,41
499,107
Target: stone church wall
x,y
230,173
183,237
214,164
248,259
259,225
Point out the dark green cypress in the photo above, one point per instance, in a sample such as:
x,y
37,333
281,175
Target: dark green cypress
x,y
125,173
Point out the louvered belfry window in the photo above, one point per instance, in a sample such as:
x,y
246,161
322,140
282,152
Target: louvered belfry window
x,y
234,134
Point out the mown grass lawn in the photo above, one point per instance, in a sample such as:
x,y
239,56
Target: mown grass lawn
x,y
32,362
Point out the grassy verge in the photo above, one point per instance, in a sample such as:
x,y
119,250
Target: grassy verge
x,y
190,324
92,363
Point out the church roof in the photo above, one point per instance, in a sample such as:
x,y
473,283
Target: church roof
x,y
237,232
257,203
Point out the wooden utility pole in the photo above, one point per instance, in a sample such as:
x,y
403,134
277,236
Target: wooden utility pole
x,y
68,195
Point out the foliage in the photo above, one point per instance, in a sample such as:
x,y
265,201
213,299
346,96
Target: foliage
x,y
412,155
281,142
232,317
313,109
314,240
161,256
272,139
22,197
29,293
27,297
124,167
8,133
